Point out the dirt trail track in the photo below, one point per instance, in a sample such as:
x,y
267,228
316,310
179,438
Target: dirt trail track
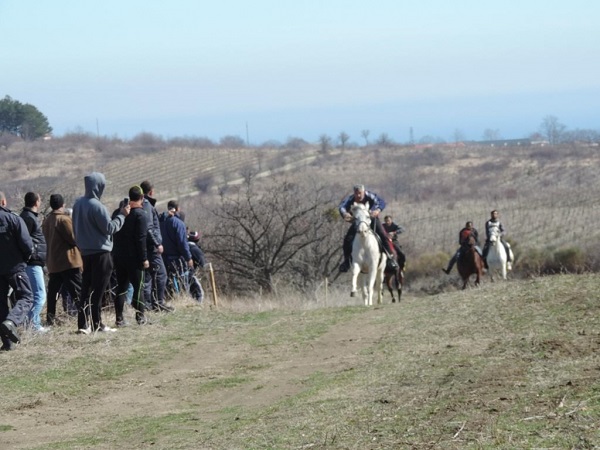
x,y
175,386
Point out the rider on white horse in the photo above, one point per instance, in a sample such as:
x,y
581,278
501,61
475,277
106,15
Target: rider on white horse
x,y
463,238
376,204
492,225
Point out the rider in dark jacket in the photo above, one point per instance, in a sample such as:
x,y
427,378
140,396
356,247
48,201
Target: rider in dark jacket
x,y
463,239
376,204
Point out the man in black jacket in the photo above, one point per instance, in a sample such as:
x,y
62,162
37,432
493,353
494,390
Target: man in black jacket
x,y
156,282
130,257
35,265
16,248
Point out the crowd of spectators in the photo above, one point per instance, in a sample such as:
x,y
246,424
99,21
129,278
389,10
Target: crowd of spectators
x,y
134,256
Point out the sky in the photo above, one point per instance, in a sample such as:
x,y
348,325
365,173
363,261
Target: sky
x,y
275,69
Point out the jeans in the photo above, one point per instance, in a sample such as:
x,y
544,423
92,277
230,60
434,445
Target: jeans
x,y
36,279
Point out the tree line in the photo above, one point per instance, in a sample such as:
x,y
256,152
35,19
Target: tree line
x,y
25,121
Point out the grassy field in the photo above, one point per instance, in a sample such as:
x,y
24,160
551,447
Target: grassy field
x,y
509,365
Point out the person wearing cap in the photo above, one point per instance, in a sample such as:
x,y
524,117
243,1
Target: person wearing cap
x,y
195,250
63,258
376,204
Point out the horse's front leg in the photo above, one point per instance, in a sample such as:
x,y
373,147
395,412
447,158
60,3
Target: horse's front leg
x,y
370,287
379,284
355,274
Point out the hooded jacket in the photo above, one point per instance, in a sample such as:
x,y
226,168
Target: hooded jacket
x,y
92,225
15,243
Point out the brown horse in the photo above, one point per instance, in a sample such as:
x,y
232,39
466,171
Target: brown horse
x,y
394,278
470,263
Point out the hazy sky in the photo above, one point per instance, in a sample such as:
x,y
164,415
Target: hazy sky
x,y
303,67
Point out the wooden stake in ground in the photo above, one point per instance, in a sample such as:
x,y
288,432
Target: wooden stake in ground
x,y
213,286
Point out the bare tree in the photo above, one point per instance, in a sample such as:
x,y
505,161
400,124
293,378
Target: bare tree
x,y
280,231
552,129
384,140
365,136
231,141
343,138
490,134
324,143
458,135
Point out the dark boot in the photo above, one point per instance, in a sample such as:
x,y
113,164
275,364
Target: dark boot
x,y
345,265
451,263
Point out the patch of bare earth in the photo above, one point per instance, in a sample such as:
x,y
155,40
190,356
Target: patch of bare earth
x,y
276,372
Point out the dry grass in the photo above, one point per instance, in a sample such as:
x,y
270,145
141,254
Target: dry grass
x,y
505,366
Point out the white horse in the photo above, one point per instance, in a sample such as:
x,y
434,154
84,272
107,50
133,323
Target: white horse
x,y
367,260
496,257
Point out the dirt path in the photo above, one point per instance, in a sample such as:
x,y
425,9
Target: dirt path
x,y
275,372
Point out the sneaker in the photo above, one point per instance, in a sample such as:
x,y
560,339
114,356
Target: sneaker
x,y
345,266
121,323
8,329
105,329
85,331
42,330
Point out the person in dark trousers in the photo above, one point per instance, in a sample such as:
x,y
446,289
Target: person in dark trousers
x,y
393,230
177,256
156,282
194,285
130,257
376,204
63,258
494,222
35,265
463,238
16,248
195,249
94,229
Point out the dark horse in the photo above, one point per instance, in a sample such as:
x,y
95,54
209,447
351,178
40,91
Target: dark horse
x,y
394,278
469,262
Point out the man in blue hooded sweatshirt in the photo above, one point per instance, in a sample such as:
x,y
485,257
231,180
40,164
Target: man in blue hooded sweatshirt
x,y
93,230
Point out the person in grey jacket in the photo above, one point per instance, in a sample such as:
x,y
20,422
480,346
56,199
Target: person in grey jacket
x,y
93,230
16,248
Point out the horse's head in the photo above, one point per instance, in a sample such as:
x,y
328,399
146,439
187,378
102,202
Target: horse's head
x,y
362,219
